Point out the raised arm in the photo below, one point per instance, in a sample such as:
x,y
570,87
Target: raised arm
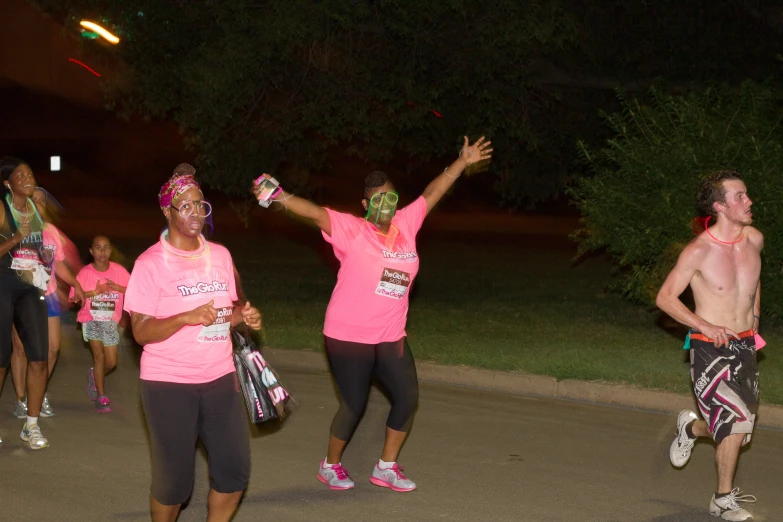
x,y
303,208
469,154
679,278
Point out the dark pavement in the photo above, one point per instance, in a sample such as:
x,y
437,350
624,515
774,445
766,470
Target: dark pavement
x,y
475,455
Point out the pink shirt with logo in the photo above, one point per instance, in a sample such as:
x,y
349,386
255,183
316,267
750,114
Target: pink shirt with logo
x,y
102,307
369,304
53,252
166,281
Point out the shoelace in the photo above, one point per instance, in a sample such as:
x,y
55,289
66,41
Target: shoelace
x,y
34,432
104,400
685,445
396,468
734,497
340,471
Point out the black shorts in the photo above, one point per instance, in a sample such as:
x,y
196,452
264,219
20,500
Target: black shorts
x,y
23,306
726,384
178,414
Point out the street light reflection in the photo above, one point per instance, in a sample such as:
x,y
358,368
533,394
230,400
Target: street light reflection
x,y
100,30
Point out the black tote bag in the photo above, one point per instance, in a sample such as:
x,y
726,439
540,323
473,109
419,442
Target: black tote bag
x,y
265,397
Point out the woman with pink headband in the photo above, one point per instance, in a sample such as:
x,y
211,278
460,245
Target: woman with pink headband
x,y
182,299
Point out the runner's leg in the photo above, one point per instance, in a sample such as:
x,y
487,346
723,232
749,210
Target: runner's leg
x,y
18,366
54,343
98,364
396,370
726,458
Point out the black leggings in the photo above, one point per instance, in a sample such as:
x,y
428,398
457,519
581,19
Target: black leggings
x,y
22,305
179,413
353,366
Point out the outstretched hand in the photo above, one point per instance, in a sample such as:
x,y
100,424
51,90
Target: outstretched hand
x,y
479,151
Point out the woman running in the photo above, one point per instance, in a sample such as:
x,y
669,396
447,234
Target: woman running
x,y
182,300
24,278
364,328
63,266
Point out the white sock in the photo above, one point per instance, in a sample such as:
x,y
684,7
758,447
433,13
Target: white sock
x,y
327,465
31,421
382,464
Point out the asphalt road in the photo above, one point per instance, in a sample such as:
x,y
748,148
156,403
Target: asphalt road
x,y
475,455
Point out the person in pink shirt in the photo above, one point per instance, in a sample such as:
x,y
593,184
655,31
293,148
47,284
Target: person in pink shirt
x,y
182,299
364,329
105,282
63,267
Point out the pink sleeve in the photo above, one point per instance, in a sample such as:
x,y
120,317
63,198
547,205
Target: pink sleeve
x,y
52,236
143,289
414,215
344,229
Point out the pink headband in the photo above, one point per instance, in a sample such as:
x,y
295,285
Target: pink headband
x,y
182,181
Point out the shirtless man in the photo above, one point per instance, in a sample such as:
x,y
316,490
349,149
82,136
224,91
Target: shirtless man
x,y
722,267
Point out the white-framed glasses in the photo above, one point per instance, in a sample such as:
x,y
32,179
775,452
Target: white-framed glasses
x,y
186,209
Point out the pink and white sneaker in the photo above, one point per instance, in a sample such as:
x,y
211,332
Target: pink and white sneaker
x,y
335,476
392,478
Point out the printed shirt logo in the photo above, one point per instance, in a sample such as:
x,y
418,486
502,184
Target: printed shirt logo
x,y
218,331
402,256
202,288
102,306
394,283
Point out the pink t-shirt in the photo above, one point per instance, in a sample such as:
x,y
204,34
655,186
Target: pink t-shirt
x,y
166,281
369,304
102,307
53,252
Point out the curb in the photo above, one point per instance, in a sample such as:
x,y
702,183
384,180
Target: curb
x,y
518,383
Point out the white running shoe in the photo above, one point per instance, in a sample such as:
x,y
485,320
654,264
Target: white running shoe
x,y
392,478
727,507
34,436
46,408
680,450
334,475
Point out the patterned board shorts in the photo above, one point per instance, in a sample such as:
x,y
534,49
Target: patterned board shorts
x,y
103,331
726,384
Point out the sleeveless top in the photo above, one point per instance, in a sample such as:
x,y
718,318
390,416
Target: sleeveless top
x,y
28,260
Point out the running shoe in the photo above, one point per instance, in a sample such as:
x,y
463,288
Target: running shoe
x,y
92,391
680,450
46,408
32,434
335,476
392,478
103,404
727,507
20,408
1,441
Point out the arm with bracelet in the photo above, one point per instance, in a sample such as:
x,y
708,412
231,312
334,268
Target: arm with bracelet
x,y
267,190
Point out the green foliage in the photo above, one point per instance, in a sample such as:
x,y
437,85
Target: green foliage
x,y
642,197
266,85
